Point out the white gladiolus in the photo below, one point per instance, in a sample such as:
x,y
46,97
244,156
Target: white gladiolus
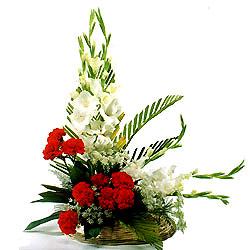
x,y
114,108
86,101
159,182
112,88
85,107
95,87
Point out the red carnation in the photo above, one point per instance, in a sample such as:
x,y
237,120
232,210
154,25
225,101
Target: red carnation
x,y
106,199
122,180
124,198
68,221
83,194
73,146
99,180
57,134
52,150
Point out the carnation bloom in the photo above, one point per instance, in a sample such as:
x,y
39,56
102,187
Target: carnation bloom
x,y
124,198
68,221
52,150
56,134
106,198
122,180
73,146
100,180
83,194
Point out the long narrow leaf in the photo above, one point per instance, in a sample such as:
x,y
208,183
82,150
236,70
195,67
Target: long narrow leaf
x,y
36,223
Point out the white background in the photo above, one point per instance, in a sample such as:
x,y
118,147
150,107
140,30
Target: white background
x,y
200,49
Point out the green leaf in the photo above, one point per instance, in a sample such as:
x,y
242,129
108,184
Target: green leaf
x,y
237,169
70,132
91,232
57,197
79,172
221,175
62,170
147,114
160,147
147,230
208,195
54,188
36,223
101,23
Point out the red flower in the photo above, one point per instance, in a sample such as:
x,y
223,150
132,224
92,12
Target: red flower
x,y
52,150
106,199
124,198
73,146
57,134
100,180
83,194
122,180
68,221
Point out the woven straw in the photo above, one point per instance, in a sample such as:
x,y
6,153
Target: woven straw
x,y
121,235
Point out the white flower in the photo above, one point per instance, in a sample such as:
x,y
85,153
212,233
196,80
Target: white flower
x,y
85,107
106,99
103,142
95,87
112,88
86,101
135,170
114,108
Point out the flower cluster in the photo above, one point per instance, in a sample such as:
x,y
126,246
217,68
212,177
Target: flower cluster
x,y
112,193
56,146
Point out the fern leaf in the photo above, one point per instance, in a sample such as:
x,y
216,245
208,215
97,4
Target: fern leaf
x,y
151,111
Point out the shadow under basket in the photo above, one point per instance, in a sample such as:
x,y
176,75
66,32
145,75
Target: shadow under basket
x,y
122,235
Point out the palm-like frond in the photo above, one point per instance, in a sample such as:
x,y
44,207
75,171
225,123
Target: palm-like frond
x,y
160,147
141,119
147,230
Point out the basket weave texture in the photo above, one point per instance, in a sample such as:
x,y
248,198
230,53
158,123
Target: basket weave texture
x,y
121,235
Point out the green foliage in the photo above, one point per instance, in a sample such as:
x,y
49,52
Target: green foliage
x,y
146,229
91,231
147,114
208,195
59,167
70,132
78,173
221,175
36,223
61,196
54,188
160,147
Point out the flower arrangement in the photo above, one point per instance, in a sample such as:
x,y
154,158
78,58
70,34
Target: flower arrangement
x,y
102,185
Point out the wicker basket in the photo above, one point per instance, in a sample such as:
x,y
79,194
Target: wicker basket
x,y
120,235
